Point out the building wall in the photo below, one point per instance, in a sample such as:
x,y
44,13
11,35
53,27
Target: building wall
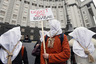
x,y
16,12
87,17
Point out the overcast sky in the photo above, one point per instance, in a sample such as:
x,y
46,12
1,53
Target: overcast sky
x,y
94,2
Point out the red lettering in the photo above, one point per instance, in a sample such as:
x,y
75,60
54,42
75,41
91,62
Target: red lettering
x,y
46,10
39,13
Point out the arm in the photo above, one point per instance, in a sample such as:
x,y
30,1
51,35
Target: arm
x,y
25,58
62,56
36,50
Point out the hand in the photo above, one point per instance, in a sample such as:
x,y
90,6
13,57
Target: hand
x,y
37,45
45,55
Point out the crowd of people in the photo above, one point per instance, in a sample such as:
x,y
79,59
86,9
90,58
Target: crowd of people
x,y
57,50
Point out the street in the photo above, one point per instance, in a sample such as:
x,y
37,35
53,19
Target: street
x,y
29,48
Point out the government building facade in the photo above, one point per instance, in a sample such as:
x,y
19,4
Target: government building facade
x,y
17,13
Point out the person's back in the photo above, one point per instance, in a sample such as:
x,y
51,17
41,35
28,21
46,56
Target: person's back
x,y
78,48
84,60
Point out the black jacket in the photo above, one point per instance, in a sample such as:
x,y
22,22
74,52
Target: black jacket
x,y
36,52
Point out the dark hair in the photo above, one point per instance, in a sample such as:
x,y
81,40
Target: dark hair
x,y
0,45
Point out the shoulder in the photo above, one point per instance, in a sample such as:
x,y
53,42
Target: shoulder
x,y
65,35
71,42
94,41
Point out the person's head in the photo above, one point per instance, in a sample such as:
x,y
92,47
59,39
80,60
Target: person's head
x,y
55,27
8,40
26,36
11,37
82,41
81,33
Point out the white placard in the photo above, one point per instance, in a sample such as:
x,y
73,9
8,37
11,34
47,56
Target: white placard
x,y
41,14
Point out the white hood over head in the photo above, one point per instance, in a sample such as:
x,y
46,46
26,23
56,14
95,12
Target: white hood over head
x,y
55,28
83,36
8,40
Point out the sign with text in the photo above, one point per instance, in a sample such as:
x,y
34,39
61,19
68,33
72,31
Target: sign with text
x,y
41,14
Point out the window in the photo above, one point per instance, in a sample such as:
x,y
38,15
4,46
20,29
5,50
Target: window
x,y
1,19
4,6
35,4
48,6
32,31
32,3
16,9
61,21
41,6
31,37
86,21
2,13
24,18
14,16
26,7
13,22
61,6
28,2
24,1
83,12
17,5
6,0
88,25
22,30
0,1
56,0
53,6
22,38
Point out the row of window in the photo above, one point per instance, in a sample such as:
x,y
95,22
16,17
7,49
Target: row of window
x,y
23,30
27,2
53,0
48,6
31,37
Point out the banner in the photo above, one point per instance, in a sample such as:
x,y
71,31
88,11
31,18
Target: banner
x,y
41,14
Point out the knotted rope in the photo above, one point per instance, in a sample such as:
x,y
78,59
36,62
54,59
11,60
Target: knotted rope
x,y
86,51
51,41
10,54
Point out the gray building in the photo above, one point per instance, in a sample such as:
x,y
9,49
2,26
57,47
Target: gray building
x,y
16,12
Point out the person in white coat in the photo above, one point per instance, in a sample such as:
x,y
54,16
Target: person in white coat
x,y
10,51
83,45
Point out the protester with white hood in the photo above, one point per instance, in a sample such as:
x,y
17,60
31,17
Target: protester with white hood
x,y
10,52
83,47
56,53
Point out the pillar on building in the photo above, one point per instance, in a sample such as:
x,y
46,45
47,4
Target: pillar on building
x,y
93,9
